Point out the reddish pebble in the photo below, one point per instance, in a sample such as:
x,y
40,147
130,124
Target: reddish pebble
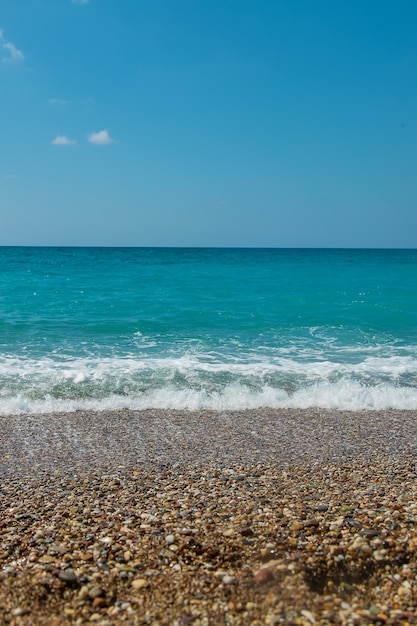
x,y
264,575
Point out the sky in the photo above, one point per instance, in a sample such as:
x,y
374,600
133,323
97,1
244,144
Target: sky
x,y
259,123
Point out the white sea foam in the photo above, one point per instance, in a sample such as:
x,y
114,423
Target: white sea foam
x,y
344,395
205,382
82,369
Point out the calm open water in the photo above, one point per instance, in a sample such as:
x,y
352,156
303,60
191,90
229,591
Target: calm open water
x,y
106,328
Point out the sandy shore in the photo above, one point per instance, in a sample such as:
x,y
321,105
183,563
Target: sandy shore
x,y
255,517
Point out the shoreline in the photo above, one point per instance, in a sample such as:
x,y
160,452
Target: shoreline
x,y
259,517
108,439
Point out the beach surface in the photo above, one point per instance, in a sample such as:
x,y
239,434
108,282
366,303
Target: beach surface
x,y
241,517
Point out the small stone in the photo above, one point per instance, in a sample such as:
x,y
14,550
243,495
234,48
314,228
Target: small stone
x,y
264,575
95,617
228,580
95,592
166,555
309,616
312,523
83,593
114,610
369,532
139,583
68,576
68,611
20,612
170,538
46,558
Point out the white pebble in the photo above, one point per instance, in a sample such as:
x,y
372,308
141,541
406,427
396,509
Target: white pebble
x,y
228,580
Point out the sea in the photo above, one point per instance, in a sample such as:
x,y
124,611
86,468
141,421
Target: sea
x,y
206,328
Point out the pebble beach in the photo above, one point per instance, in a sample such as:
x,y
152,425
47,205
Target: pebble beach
x,y
170,517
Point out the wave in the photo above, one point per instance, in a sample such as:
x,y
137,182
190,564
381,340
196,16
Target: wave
x,y
191,382
346,395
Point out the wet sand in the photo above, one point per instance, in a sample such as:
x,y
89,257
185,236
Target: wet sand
x,y
171,517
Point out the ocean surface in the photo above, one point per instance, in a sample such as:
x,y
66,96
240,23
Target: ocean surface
x,y
110,328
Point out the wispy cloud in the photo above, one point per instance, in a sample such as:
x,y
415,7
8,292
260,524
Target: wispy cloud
x,y
9,176
62,140
102,138
13,54
80,1
58,101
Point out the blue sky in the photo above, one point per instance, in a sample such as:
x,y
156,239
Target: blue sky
x,y
283,123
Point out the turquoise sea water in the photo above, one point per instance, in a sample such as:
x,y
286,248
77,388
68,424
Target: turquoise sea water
x,y
207,328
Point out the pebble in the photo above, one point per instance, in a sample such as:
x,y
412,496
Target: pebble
x,y
308,615
369,532
68,576
264,575
95,591
228,580
294,531
139,583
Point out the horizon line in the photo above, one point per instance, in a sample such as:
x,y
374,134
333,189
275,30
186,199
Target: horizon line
x,y
189,247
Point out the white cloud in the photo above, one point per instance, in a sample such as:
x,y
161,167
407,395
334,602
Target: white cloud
x,y
81,1
62,140
9,176
102,138
14,55
58,101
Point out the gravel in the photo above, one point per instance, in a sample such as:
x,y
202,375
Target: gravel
x,y
166,517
